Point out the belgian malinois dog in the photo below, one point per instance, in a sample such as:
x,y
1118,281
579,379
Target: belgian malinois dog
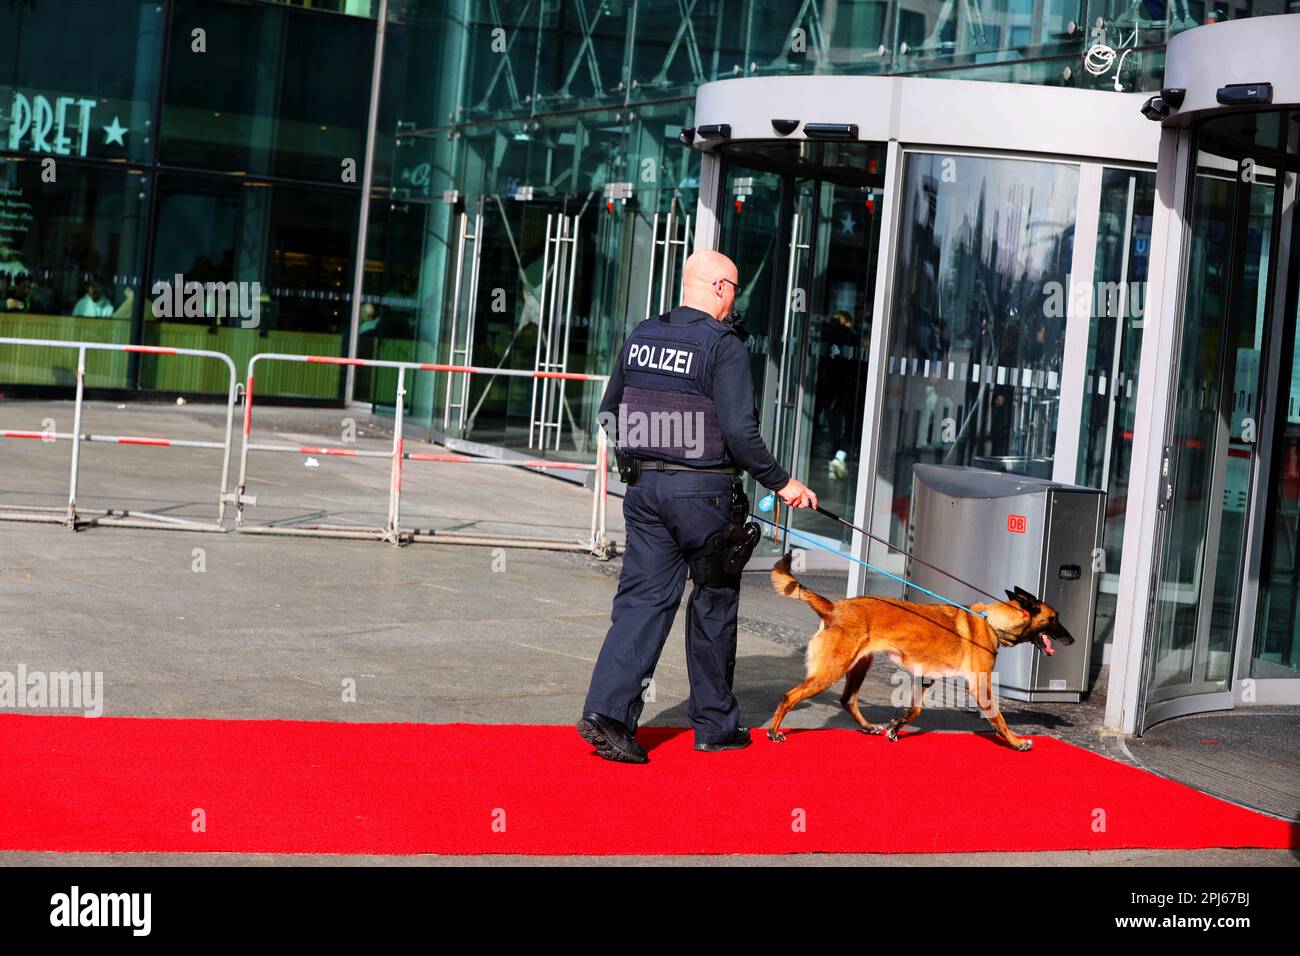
x,y
936,640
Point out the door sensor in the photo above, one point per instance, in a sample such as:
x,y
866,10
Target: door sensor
x,y
831,130
1236,94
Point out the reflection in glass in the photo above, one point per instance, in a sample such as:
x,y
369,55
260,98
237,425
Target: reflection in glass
x,y
391,311
289,248
79,78
1276,649
1114,348
978,326
69,253
276,91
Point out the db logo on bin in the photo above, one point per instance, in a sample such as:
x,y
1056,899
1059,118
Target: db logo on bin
x,y
1017,524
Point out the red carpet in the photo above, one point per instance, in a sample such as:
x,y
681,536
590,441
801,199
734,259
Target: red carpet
x,y
127,784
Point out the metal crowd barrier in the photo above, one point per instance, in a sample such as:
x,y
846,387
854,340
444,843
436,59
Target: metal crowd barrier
x,y
392,530
137,519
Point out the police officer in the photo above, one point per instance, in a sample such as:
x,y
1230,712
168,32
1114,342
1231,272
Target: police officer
x,y
680,406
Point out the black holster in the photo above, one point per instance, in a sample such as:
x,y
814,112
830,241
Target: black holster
x,y
718,563
629,467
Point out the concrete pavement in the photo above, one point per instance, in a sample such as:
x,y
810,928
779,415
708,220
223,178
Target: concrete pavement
x,y
186,624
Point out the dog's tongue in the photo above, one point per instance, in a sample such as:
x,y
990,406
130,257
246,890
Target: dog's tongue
x,y
1047,645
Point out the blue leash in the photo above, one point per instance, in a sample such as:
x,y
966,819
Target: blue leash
x,y
870,567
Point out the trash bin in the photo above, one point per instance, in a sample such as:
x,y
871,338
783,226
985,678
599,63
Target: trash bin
x,y
997,531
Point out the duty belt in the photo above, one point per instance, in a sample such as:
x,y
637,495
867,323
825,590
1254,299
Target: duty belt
x,y
654,464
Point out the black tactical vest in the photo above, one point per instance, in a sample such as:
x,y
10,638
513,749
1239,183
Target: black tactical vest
x,y
667,413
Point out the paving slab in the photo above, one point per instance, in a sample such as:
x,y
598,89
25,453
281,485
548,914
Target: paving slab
x,y
188,624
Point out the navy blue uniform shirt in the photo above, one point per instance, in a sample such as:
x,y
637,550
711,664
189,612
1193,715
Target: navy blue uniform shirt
x,y
732,388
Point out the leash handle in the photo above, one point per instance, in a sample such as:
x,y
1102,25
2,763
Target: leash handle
x,y
933,567
872,567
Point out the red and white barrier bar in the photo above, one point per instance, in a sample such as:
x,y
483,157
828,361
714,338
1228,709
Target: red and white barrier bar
x,y
392,530
433,367
115,439
77,437
469,460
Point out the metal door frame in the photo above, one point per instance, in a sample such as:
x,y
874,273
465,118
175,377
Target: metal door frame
x,y
874,400
1078,322
1203,697
554,324
799,250
1147,714
791,368
1288,192
1125,698
463,354
1121,314
664,251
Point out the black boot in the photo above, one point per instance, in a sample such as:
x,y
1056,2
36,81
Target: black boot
x,y
737,741
612,740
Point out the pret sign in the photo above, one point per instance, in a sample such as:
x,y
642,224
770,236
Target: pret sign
x,y
56,125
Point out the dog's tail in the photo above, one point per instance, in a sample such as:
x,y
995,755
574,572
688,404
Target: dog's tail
x,y
786,585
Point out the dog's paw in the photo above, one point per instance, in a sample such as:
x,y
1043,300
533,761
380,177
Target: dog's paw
x,y
776,736
891,734
1025,744
873,729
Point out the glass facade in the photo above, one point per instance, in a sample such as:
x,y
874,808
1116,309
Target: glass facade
x,y
264,91
558,101
1275,644
183,146
225,140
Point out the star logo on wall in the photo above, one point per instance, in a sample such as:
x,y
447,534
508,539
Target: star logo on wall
x,y
114,132
848,223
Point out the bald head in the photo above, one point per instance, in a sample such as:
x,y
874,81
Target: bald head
x,y
703,285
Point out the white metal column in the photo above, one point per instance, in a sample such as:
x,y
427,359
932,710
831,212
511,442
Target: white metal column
x,y
706,210
873,401
1078,323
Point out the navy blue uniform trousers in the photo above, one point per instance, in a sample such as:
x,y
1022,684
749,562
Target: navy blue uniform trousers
x,y
666,514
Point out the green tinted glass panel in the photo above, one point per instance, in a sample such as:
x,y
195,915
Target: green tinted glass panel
x,y
288,249
69,268
264,89
79,78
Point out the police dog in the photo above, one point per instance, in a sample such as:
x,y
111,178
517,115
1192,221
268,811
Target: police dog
x,y
938,640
